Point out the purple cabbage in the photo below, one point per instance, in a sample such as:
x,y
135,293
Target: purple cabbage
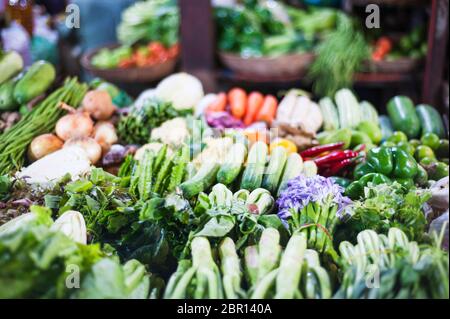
x,y
223,120
303,190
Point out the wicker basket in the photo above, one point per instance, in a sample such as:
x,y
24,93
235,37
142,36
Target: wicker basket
x,y
127,75
282,66
401,65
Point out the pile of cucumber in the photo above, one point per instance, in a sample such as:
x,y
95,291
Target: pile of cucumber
x,y
258,169
22,87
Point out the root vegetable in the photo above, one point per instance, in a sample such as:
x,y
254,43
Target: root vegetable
x,y
98,103
74,126
105,135
43,145
92,149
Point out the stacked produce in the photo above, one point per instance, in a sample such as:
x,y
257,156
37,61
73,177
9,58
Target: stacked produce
x,y
165,199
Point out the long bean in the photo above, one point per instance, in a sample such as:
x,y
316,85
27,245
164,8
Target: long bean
x,y
42,119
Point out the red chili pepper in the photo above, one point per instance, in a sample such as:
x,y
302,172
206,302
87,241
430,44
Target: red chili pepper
x,y
341,165
316,150
334,157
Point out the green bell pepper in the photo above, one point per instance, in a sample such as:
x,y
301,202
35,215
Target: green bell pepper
x,y
362,169
405,164
407,183
381,159
355,190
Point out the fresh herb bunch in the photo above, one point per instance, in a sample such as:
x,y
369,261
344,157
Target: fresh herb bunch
x,y
151,20
386,206
339,56
136,127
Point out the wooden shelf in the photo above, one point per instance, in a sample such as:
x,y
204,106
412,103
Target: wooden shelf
x,y
402,3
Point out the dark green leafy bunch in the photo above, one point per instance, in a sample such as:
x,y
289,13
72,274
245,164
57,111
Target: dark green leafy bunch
x,y
38,262
252,30
136,126
386,206
103,200
339,57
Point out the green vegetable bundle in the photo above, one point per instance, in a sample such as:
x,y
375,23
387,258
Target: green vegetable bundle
x,y
45,263
42,119
151,20
294,273
136,127
339,56
387,205
391,266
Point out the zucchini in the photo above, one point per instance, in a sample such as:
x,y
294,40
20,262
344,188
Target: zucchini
x,y
292,169
403,116
202,180
256,162
430,120
10,64
274,170
35,82
348,109
386,127
330,114
369,112
233,164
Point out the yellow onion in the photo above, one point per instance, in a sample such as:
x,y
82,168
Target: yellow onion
x,y
43,145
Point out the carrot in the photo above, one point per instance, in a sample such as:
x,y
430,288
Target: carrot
x,y
255,101
238,102
219,104
268,110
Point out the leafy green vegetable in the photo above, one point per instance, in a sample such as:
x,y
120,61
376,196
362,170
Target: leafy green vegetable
x,y
398,267
339,56
252,30
385,206
151,20
136,127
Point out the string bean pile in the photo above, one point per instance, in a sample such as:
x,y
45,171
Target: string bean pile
x,y
42,119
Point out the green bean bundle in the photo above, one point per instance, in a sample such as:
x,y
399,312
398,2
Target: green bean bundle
x,y
42,119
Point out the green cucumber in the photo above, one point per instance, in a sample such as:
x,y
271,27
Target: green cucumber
x,y
233,164
386,127
368,112
7,101
256,162
431,120
330,114
348,108
202,180
274,170
35,82
292,169
403,116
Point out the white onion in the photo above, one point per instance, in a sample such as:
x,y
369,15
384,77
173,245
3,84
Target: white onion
x,y
92,149
74,125
43,145
98,103
105,135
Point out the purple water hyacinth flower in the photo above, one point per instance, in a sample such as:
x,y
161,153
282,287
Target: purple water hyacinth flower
x,y
302,190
